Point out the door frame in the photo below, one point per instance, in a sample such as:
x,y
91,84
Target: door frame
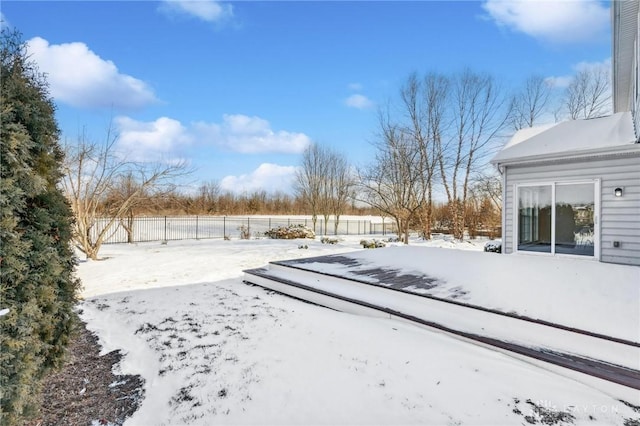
x,y
553,184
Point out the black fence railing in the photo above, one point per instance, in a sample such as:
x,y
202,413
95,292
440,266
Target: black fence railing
x,y
171,228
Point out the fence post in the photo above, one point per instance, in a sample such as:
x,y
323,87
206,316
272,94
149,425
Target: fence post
x,y
196,227
249,227
269,223
288,221
224,226
165,228
347,227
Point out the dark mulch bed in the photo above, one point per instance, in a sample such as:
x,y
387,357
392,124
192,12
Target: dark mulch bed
x,y
85,390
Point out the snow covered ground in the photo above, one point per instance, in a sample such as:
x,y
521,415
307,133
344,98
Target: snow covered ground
x,y
213,350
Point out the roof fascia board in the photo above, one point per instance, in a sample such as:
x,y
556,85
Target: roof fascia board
x,y
632,150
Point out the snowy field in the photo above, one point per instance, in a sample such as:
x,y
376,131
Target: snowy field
x,y
213,350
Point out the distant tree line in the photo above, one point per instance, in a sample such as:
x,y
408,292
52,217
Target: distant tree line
x,y
431,152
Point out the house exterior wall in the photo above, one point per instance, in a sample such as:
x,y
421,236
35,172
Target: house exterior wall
x,y
618,218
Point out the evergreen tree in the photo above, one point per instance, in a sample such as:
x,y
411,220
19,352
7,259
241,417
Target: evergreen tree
x,y
37,263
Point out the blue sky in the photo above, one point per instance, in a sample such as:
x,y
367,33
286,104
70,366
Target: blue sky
x,y
238,89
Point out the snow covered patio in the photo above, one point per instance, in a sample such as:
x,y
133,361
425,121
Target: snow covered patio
x,y
213,350
409,283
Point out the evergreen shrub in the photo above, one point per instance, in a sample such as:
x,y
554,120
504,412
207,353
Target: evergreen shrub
x,y
37,282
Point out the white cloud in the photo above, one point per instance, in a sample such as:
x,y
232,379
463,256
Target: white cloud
x,y
563,21
80,78
358,101
4,22
250,135
157,140
563,81
206,10
560,82
165,138
586,66
356,87
269,177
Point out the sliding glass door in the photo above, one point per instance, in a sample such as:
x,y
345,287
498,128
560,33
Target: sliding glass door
x,y
534,220
574,219
557,218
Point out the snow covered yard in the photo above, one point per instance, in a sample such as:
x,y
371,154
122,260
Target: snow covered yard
x,y
213,350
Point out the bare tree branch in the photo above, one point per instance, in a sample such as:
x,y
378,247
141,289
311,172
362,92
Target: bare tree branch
x,y
480,111
325,183
589,93
531,102
98,182
393,182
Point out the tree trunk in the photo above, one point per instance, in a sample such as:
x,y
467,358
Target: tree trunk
x,y
406,232
458,220
91,253
129,228
425,221
326,225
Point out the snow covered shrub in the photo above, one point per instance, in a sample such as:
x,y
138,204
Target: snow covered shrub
x,y
303,247
371,244
329,240
244,232
290,232
493,246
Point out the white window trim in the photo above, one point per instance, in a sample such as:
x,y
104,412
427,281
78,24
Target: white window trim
x,y
596,217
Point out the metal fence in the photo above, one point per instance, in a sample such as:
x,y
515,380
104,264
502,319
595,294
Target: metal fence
x,y
171,228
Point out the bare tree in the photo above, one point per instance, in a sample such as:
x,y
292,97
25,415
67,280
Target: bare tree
x,y
341,182
484,207
489,185
93,173
208,194
309,183
479,112
424,104
531,102
324,181
589,93
126,186
392,184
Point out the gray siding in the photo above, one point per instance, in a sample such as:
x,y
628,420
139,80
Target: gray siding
x,y
619,216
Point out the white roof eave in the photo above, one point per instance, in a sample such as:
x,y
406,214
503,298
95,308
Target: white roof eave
x,y
631,149
571,139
